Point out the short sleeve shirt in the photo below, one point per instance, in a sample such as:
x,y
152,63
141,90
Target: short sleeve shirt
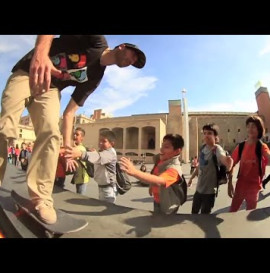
x,y
249,176
207,177
78,57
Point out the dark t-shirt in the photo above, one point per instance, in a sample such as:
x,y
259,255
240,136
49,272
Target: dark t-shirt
x,y
78,57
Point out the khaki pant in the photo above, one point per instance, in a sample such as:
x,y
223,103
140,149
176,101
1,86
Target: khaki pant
x,y
44,111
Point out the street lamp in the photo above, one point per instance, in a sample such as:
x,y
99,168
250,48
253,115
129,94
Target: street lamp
x,y
186,126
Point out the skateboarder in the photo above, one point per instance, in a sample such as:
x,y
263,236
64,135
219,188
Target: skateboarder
x,y
36,82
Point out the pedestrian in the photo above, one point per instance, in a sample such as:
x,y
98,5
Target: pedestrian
x,y
204,197
251,169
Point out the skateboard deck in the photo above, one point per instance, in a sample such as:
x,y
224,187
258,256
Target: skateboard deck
x,y
65,222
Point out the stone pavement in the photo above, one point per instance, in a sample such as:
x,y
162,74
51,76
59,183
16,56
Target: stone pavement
x,y
122,221
139,198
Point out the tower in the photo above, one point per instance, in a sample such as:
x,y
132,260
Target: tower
x,y
185,153
263,103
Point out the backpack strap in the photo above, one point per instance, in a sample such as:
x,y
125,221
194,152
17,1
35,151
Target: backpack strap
x,y
216,165
214,156
259,155
240,150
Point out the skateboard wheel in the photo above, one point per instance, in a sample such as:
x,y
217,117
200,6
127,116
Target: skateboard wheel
x,y
17,207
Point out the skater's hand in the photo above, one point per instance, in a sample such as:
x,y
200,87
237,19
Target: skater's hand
x,y
189,183
41,69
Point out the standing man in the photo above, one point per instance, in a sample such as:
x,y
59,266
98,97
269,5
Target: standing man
x,y
36,82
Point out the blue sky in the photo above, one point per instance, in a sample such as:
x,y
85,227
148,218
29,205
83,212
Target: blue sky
x,y
219,73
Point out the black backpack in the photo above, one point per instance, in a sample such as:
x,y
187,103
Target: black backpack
x,y
122,182
222,176
89,168
180,189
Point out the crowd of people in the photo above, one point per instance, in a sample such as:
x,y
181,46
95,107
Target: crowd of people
x,y
20,156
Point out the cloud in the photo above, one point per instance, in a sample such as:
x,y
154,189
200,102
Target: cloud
x,y
12,48
4,48
235,106
122,88
266,49
11,43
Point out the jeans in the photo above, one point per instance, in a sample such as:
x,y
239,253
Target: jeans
x,y
81,188
203,202
108,193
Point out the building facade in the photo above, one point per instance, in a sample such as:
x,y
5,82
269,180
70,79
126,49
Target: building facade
x,y
140,136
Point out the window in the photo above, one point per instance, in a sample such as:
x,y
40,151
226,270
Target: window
x,y
20,135
238,130
234,140
228,130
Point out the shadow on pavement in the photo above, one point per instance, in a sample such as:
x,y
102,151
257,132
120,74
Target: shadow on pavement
x,y
143,225
259,214
109,209
144,200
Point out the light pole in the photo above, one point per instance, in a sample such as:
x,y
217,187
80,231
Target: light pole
x,y
185,127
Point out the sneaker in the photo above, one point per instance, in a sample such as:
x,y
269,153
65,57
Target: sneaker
x,y
46,213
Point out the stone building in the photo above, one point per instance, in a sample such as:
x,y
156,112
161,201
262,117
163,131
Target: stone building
x,y
140,136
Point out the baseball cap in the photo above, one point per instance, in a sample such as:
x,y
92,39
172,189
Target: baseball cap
x,y
141,57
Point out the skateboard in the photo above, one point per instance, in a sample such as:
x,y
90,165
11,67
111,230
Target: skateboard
x,y
65,222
